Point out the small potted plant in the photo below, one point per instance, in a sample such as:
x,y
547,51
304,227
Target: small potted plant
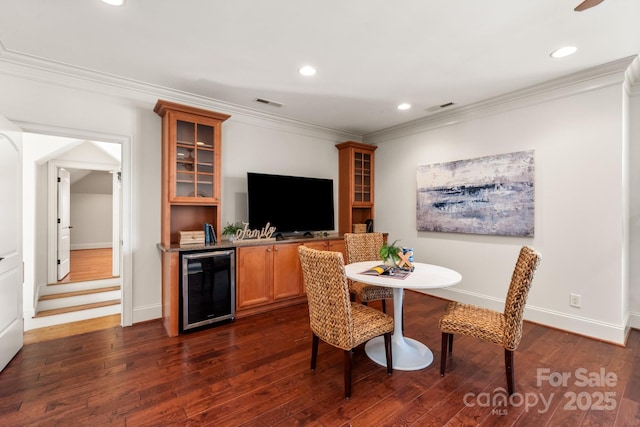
x,y
389,253
231,230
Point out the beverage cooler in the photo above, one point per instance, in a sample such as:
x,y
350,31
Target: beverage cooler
x,y
208,288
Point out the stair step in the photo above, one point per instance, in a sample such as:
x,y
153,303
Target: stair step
x,y
78,293
76,308
77,286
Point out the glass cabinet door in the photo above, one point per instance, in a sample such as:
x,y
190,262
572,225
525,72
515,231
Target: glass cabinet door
x,y
362,177
195,165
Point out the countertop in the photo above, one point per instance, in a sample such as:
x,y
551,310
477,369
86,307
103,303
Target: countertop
x,y
226,244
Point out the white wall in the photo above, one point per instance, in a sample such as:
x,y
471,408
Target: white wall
x,y
577,132
252,146
578,135
116,111
91,217
91,197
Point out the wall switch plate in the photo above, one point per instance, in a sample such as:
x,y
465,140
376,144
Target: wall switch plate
x,y
575,300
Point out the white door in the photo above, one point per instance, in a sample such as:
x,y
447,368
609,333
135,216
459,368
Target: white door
x,y
64,227
11,269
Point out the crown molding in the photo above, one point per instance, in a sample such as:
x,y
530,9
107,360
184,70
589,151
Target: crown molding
x,y
34,68
623,71
633,77
29,67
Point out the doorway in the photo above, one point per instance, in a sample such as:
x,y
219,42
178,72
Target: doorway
x,y
84,215
83,154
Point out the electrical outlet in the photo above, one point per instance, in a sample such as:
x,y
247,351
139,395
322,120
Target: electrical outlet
x,y
575,300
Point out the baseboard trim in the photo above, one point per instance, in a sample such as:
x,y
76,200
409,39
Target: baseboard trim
x,y
80,246
147,312
603,331
634,320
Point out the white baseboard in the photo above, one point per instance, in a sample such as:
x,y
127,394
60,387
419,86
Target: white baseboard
x,y
634,320
592,328
147,312
77,246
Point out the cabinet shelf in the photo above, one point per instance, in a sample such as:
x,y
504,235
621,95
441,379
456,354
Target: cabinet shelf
x,y
355,186
191,143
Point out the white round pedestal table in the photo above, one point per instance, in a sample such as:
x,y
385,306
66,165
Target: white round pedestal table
x,y
408,354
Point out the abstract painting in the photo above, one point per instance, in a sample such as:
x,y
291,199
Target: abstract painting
x,y
486,195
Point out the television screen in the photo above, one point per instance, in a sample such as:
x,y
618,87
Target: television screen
x,y
292,204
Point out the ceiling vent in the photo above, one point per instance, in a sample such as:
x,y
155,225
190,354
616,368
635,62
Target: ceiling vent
x,y
437,108
268,102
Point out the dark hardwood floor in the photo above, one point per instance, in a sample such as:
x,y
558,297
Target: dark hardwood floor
x,y
255,372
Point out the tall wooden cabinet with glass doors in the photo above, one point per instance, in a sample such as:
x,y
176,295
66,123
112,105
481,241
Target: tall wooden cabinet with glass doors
x,y
355,184
191,179
191,169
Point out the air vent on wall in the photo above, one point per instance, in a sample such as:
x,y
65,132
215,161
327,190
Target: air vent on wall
x,y
268,102
436,108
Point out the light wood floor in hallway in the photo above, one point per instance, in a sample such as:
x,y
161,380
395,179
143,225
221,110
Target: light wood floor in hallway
x,y
89,264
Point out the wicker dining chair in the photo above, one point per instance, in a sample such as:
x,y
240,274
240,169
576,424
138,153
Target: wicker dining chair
x,y
366,247
333,317
503,329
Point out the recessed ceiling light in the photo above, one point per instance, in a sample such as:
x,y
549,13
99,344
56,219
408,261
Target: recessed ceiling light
x,y
404,106
564,51
114,2
307,70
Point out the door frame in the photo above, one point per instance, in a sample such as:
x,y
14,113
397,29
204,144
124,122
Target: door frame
x,y
126,209
52,229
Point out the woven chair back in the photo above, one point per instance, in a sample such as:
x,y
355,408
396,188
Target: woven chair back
x,y
528,261
363,246
325,282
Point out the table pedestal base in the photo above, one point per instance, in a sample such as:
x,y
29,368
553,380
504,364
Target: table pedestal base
x,y
408,354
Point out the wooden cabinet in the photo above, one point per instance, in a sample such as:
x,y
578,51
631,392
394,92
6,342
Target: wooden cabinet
x,y
190,193
270,276
336,245
254,276
267,275
191,169
355,184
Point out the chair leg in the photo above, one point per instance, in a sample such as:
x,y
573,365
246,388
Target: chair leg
x,y
443,352
508,363
314,351
347,373
388,353
384,306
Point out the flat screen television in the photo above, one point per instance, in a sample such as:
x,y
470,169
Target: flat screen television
x,y
292,204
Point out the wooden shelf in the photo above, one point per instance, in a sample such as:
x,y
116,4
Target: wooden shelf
x,y
191,161
355,184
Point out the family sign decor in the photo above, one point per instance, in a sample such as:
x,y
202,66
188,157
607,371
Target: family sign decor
x,y
486,195
245,233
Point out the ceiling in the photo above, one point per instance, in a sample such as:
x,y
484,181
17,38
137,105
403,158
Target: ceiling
x,y
370,55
